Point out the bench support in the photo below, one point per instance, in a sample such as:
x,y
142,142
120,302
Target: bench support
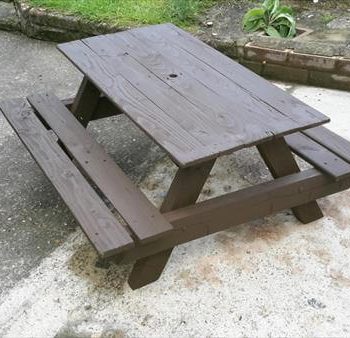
x,y
219,213
184,190
281,162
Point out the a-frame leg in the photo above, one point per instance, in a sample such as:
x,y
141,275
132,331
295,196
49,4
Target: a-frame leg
x,y
184,190
281,162
85,102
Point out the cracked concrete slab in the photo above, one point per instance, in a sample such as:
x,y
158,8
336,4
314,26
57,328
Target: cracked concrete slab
x,y
271,277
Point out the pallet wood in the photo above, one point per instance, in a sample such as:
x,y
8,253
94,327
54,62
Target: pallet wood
x,y
318,155
101,227
187,105
184,190
281,162
143,218
239,207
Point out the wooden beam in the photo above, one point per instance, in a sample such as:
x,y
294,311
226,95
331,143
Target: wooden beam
x,y
104,108
281,162
184,190
239,207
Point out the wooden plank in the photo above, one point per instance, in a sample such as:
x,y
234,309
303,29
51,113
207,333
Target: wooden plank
x,y
101,227
151,47
331,141
184,190
239,207
254,84
140,214
281,162
208,90
147,114
195,111
86,101
318,155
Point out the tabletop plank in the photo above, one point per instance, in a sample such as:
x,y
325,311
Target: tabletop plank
x,y
197,80
192,100
241,76
145,113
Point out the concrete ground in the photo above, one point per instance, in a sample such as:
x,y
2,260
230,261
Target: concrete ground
x,y
272,277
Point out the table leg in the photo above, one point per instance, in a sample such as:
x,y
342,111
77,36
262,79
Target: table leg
x,y
86,101
184,190
281,162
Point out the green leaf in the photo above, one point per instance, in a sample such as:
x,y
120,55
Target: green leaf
x,y
271,5
253,20
271,31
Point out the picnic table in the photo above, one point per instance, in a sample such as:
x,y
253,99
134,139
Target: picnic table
x,y
198,105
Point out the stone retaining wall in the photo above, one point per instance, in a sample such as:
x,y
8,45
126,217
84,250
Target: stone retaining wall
x,y
290,60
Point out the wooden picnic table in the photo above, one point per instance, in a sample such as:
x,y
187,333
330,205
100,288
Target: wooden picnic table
x,y
197,104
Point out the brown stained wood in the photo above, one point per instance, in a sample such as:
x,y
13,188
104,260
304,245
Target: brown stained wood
x,y
239,207
196,80
101,227
195,111
129,99
281,162
143,218
254,84
318,155
237,118
333,142
86,101
184,190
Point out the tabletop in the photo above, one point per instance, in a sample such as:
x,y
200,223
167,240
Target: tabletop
x,y
195,102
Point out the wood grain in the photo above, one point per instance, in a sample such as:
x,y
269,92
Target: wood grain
x,y
143,218
254,84
239,207
101,227
281,162
193,101
318,155
184,190
330,140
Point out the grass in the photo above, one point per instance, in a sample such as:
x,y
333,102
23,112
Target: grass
x,y
131,12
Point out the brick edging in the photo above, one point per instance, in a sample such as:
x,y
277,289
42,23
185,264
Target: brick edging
x,y
280,64
288,65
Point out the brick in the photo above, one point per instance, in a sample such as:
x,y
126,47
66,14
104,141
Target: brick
x,y
256,67
284,73
329,80
343,67
265,55
313,62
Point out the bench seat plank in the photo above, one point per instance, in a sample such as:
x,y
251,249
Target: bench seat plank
x,y
101,227
331,141
318,155
138,212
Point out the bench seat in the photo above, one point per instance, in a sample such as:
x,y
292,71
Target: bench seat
x,y
324,149
67,153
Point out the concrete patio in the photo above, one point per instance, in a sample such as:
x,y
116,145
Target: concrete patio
x,y
272,277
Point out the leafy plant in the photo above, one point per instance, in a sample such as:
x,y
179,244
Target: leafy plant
x,y
274,19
